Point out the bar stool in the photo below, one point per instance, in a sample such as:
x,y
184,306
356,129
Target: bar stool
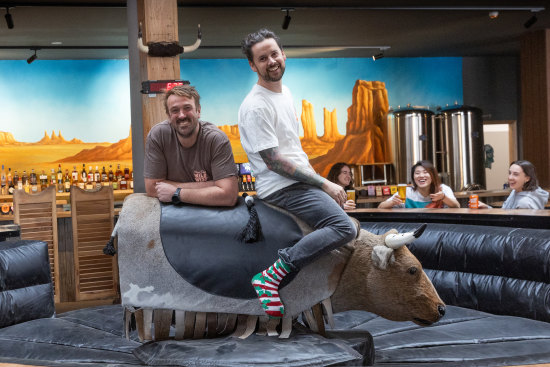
x,y
96,274
36,215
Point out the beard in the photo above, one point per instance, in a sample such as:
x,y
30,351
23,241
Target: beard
x,y
188,130
268,78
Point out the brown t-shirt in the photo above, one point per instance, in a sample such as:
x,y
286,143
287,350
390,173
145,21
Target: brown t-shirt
x,y
210,159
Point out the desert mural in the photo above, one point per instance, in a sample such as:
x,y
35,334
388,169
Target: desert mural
x,y
78,112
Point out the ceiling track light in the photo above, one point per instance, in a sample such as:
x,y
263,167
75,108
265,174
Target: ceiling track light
x,y
287,18
9,18
31,59
529,23
377,56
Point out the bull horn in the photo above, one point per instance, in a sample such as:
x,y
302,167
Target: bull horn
x,y
397,240
197,43
140,44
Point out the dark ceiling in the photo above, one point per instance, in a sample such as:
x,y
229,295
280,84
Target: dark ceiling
x,y
98,29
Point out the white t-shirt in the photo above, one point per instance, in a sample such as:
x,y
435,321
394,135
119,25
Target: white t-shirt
x,y
416,200
268,120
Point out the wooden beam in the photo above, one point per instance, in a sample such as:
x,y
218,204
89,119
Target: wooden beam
x,y
159,23
535,102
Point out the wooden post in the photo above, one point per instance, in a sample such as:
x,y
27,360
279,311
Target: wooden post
x,y
535,102
159,22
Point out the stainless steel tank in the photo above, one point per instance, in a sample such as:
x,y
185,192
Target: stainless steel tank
x,y
459,147
413,139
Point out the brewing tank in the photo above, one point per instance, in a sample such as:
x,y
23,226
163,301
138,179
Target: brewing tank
x,y
459,147
413,139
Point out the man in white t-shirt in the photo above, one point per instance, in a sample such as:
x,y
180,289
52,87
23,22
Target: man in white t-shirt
x,y
269,131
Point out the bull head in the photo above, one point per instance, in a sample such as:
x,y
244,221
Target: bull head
x,y
382,255
166,49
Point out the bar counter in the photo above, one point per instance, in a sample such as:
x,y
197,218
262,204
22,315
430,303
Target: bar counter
x,y
523,218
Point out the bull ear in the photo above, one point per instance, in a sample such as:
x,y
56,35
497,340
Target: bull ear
x,y
381,256
398,240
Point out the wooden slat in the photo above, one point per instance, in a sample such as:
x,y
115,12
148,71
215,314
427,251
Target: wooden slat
x,y
92,215
36,214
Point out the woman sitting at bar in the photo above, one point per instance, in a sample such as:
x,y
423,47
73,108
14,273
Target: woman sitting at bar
x,y
341,174
526,193
427,191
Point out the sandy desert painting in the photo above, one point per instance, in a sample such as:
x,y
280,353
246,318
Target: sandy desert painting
x,y
78,112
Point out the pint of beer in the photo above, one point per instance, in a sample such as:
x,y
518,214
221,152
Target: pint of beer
x,y
402,191
351,194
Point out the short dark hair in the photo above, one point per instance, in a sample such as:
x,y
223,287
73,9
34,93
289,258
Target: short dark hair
x,y
185,90
257,37
334,172
434,175
529,170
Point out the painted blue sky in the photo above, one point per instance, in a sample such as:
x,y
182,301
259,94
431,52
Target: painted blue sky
x,y
86,99
328,83
89,99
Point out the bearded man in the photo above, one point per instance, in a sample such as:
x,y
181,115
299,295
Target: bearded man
x,y
188,160
269,129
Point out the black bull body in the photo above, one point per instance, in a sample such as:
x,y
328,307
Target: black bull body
x,y
156,281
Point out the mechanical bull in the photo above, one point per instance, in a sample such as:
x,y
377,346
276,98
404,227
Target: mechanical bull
x,y
170,261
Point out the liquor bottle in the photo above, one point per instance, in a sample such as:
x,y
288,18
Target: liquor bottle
x,y
67,181
52,178
97,178
131,182
4,188
60,187
25,182
118,177
124,179
10,183
253,183
16,181
83,177
104,177
34,181
43,181
74,177
90,184
111,175
90,175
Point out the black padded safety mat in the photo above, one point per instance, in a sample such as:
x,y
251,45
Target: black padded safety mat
x,y
201,245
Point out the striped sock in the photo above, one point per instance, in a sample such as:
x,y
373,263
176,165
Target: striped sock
x,y
266,285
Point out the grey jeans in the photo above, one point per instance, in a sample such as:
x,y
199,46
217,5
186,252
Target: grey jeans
x,y
333,227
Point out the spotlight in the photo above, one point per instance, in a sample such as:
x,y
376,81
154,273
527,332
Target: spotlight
x,y
32,58
287,18
493,14
530,21
378,56
9,18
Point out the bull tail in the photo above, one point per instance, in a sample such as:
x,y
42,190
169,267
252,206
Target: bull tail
x,y
109,248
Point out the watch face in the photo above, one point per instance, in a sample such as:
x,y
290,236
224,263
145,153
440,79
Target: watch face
x,y
176,197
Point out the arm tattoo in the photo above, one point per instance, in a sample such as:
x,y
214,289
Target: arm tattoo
x,y
285,167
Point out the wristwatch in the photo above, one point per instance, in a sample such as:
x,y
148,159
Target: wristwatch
x,y
176,196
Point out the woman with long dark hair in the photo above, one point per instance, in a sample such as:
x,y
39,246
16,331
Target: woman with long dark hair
x,y
427,190
341,174
526,193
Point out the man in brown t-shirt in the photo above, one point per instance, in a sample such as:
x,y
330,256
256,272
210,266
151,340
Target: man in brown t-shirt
x,y
187,160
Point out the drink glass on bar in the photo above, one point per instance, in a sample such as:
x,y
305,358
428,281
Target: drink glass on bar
x,y
402,191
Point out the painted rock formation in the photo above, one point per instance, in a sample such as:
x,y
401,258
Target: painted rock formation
x,y
366,131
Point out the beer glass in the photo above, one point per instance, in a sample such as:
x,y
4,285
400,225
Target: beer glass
x,y
402,191
351,194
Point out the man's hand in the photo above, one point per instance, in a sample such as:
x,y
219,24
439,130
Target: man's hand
x,y
335,191
165,191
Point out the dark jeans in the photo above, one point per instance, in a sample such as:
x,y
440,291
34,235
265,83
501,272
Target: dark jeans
x,y
332,226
